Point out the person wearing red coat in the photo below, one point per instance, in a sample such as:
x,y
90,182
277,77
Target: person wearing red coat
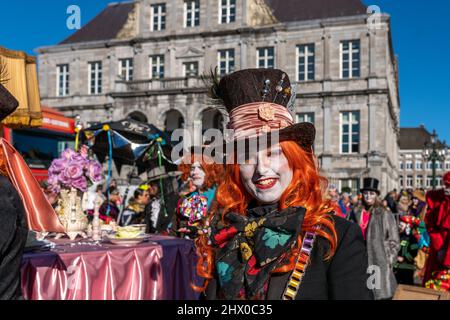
x,y
437,220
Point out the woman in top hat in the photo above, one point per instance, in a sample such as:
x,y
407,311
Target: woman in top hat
x,y
273,223
380,231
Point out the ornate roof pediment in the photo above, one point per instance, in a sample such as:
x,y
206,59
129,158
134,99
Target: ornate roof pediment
x,y
190,53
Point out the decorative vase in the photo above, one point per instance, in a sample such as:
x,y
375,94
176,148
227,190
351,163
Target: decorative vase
x,y
71,214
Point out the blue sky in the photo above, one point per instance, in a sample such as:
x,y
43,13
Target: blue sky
x,y
421,35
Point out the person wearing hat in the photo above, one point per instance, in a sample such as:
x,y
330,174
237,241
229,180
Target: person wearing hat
x,y
274,235
418,204
405,265
382,237
437,221
13,223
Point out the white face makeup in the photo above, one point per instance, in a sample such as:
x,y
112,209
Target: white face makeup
x,y
197,175
267,175
370,197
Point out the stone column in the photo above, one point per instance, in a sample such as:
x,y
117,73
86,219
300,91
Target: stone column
x,y
244,54
327,119
171,67
326,63
372,145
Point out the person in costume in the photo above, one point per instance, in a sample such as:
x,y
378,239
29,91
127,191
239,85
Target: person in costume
x,y
134,212
418,204
437,221
13,223
272,222
403,203
24,206
201,176
380,230
405,266
109,210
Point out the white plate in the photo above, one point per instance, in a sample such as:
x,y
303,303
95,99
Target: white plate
x,y
128,242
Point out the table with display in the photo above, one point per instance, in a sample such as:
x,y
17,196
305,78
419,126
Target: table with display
x,y
162,268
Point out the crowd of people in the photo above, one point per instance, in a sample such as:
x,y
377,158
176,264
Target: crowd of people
x,y
260,224
411,213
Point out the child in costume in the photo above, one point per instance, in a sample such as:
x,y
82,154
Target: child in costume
x,y
273,222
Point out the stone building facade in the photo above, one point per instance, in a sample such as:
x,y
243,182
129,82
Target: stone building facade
x,y
143,59
414,169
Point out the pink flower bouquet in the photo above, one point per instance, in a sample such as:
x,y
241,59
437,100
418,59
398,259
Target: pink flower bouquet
x,y
74,170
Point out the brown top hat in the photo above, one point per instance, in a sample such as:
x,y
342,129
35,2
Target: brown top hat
x,y
8,104
258,102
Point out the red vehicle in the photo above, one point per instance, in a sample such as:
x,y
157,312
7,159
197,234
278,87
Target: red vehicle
x,y
39,146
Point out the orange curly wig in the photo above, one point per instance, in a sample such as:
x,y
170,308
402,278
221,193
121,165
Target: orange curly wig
x,y
214,173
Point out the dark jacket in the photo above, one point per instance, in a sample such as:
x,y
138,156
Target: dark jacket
x,y
341,278
13,236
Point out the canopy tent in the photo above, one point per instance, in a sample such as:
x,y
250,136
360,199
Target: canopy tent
x,y
130,142
20,72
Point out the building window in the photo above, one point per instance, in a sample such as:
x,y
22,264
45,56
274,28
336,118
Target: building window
x,y
265,57
409,165
350,59
157,67
126,69
190,69
350,132
306,62
429,165
305,117
439,165
409,181
227,11
401,165
438,181
226,61
419,165
401,181
158,17
95,77
429,181
352,184
191,13
419,181
62,79
447,166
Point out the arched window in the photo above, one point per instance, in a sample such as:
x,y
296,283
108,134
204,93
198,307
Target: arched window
x,y
138,116
174,120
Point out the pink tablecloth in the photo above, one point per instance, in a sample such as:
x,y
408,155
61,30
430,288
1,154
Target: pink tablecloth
x,y
158,270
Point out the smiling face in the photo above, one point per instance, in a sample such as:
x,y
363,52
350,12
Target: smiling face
x,y
266,175
197,175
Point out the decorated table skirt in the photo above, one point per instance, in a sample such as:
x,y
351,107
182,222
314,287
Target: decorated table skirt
x,y
162,269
